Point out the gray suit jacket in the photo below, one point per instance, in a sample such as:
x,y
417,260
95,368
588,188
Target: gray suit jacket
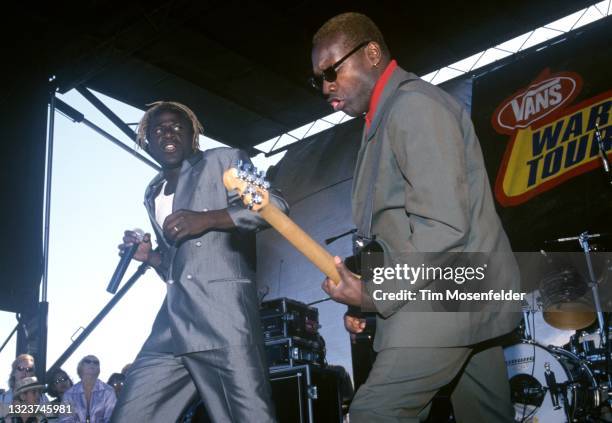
x,y
432,194
211,299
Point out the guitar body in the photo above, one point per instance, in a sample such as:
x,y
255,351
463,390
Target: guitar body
x,y
366,259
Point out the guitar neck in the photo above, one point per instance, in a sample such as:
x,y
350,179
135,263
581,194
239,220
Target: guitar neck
x,y
301,241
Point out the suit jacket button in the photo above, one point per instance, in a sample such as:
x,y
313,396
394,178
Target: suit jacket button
x,y
189,277
198,243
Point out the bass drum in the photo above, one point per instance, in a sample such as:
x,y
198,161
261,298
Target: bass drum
x,y
527,365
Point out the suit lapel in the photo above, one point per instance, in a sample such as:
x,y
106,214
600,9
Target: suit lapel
x,y
188,181
398,77
150,194
189,176
357,201
365,169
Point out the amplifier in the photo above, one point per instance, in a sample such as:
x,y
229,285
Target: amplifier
x,y
301,394
288,352
307,394
284,317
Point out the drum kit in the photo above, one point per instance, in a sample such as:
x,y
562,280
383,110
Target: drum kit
x,y
561,368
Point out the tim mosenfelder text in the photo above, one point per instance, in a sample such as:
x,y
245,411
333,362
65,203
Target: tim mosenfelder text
x,y
457,274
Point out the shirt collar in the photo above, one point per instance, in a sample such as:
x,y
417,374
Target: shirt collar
x,y
378,89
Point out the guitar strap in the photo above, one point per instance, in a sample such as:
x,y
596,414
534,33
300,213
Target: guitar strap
x,y
364,236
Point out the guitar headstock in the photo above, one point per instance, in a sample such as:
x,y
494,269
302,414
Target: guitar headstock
x,y
250,183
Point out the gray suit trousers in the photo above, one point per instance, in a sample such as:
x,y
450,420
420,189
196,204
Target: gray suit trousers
x,y
233,383
403,382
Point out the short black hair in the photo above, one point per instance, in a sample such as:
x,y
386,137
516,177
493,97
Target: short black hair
x,y
355,28
51,377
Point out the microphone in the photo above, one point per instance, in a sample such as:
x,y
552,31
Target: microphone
x,y
126,258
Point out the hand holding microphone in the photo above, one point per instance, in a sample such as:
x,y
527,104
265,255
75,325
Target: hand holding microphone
x,y
136,244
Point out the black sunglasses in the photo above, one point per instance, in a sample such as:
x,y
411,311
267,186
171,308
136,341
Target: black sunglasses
x,y
25,369
88,361
60,379
329,74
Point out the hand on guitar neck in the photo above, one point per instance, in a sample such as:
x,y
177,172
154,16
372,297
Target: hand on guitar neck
x,y
348,290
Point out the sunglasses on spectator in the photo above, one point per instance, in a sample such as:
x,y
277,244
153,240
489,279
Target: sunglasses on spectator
x,y
89,361
61,379
25,369
329,74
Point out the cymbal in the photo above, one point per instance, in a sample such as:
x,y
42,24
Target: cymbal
x,y
570,316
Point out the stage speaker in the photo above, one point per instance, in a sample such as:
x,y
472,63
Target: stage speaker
x,y
22,171
307,394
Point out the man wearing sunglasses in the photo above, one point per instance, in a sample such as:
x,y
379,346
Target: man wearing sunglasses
x,y
421,173
22,367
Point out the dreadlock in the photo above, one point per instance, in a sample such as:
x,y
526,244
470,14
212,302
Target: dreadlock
x,y
355,28
158,106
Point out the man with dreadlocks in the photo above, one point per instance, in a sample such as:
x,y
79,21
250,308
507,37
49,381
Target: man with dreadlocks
x,y
206,338
420,186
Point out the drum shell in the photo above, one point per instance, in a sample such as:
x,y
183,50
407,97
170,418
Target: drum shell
x,y
528,360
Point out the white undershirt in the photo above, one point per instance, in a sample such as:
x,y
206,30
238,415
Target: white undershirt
x,y
163,205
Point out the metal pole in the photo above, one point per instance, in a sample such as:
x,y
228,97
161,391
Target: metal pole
x,y
119,144
101,315
9,337
107,112
76,116
48,194
584,243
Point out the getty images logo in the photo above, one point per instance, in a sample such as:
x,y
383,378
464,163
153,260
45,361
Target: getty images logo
x,y
542,97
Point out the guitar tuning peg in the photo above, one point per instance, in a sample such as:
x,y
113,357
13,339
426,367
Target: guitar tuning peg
x,y
253,202
250,190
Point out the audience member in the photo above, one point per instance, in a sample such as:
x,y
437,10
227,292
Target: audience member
x,y
22,367
27,392
58,382
91,400
116,381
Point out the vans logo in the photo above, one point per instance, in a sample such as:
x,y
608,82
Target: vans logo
x,y
541,98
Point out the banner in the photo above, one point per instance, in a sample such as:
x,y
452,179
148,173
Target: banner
x,y
536,119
